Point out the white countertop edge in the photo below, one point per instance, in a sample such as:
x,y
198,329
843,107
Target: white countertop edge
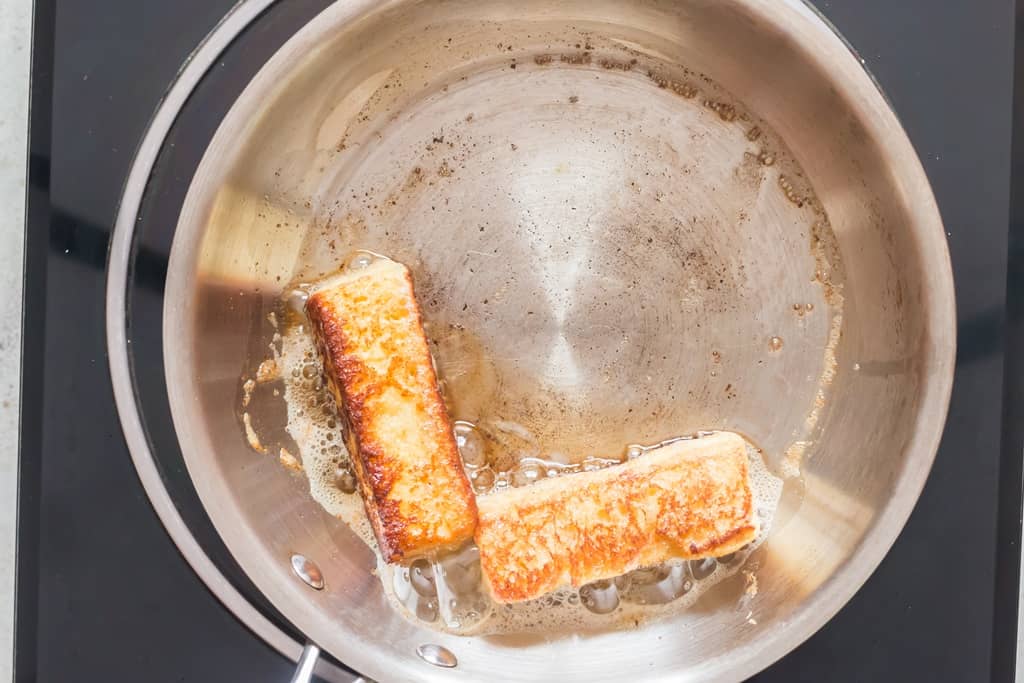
x,y
15,36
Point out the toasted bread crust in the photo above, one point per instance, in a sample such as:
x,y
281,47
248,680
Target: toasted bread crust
x,y
688,500
377,362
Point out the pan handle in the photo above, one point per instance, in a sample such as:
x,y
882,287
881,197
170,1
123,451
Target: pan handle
x,y
304,670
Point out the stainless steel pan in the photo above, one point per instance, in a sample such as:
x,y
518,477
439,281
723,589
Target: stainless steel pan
x,y
627,221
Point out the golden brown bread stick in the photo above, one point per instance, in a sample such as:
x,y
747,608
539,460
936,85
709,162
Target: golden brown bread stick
x,y
368,328
687,500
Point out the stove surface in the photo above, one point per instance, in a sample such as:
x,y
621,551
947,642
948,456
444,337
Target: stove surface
x,y
103,593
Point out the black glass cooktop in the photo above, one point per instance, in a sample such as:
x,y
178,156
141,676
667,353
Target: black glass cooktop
x,y
103,593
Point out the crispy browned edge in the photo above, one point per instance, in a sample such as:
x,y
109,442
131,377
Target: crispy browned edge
x,y
369,458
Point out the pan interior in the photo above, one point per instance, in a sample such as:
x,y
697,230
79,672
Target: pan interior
x,y
600,260
624,224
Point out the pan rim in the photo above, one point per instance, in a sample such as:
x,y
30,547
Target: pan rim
x,y
851,575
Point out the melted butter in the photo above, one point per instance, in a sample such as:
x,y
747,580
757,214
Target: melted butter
x,y
446,591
